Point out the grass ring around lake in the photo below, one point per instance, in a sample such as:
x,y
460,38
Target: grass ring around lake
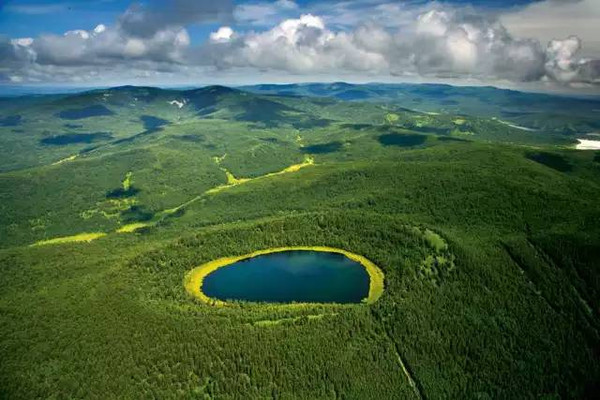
x,y
194,279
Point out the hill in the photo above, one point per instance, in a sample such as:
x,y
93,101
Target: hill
x,y
488,236
552,113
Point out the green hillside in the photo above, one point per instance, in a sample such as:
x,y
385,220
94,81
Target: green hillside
x,y
488,235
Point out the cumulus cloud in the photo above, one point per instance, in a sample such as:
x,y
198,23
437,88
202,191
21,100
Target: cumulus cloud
x,y
430,43
80,55
549,20
439,43
103,45
15,53
450,43
146,37
224,34
563,66
301,45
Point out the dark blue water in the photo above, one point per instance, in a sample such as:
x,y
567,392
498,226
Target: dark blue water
x,y
291,276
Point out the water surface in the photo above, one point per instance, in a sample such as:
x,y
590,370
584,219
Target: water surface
x,y
290,276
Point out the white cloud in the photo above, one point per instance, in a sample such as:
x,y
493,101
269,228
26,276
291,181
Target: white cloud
x,y
102,46
439,43
24,42
561,64
433,23
134,48
99,29
78,32
224,34
302,45
463,51
394,40
548,20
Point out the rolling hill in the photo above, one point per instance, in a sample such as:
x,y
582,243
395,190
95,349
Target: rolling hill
x,y
486,225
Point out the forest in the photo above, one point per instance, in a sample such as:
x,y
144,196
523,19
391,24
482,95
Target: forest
x,y
488,236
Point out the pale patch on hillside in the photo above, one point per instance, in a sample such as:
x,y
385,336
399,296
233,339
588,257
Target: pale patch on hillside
x,y
585,144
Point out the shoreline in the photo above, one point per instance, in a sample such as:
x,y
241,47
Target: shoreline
x,y
193,279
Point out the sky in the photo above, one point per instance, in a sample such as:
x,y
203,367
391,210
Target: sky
x,y
551,45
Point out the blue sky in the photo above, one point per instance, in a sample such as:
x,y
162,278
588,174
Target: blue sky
x,y
553,44
32,18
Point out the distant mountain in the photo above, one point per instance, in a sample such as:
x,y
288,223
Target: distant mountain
x,y
256,103
534,110
56,126
124,117
206,102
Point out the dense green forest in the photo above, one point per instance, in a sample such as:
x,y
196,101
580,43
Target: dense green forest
x,y
108,198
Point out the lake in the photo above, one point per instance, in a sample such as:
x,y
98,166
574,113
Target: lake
x,y
290,276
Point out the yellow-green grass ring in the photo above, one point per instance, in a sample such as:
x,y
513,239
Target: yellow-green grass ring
x,y
194,278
